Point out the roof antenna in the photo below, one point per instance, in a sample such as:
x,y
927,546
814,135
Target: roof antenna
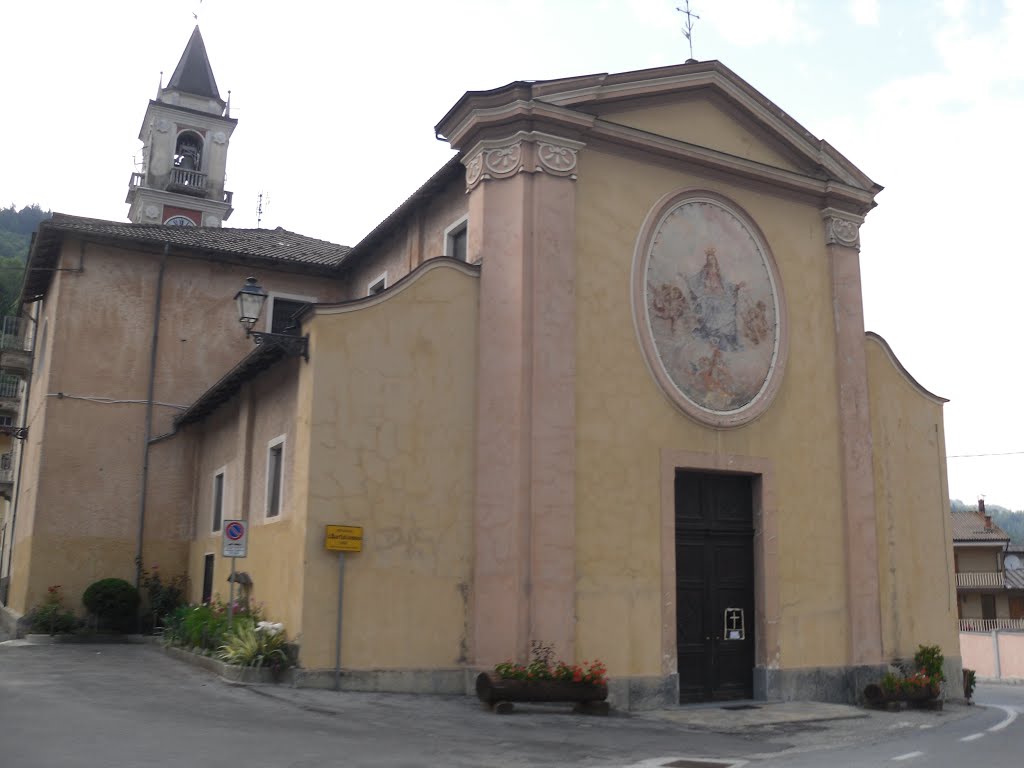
x,y
688,27
262,203
195,13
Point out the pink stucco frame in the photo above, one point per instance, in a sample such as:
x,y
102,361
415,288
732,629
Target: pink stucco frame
x,y
641,321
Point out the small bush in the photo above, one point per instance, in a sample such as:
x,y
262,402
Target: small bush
x,y
114,602
255,644
202,627
52,617
929,660
164,595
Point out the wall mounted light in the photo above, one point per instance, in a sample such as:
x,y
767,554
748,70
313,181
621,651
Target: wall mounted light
x,y
250,300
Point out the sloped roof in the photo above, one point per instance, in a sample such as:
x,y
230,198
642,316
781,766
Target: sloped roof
x,y
272,245
262,357
1014,579
970,526
193,73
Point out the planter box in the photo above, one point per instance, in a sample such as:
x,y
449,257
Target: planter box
x,y
500,694
875,696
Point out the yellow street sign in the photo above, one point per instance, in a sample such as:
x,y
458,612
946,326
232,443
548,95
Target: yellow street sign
x,y
344,538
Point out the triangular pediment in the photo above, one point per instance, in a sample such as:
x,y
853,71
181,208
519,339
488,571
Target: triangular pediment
x,y
698,119
707,105
699,113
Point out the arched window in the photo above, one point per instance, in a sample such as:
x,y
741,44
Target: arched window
x,y
188,153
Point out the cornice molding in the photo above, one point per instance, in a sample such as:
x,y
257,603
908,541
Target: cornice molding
x,y
555,119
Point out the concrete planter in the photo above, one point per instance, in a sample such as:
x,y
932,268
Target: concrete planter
x,y
232,673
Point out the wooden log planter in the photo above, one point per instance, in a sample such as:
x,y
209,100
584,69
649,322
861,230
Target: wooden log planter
x,y
501,694
924,698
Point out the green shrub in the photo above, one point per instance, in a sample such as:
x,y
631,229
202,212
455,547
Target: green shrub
x,y
202,627
163,596
52,616
255,644
114,602
929,660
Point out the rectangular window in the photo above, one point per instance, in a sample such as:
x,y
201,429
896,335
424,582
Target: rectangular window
x,y
207,578
275,467
283,316
6,421
218,500
378,285
455,239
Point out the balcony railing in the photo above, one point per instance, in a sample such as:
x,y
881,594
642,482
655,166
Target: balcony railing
x,y
9,387
12,334
989,625
980,579
185,180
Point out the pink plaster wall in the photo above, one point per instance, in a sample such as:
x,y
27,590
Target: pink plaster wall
x,y
978,651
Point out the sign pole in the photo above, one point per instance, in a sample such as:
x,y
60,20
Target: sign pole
x,y
337,639
235,545
231,601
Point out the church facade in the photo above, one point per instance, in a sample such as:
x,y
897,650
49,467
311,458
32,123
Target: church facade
x,y
601,383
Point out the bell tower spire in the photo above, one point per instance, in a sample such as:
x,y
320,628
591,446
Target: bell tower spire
x,y
185,136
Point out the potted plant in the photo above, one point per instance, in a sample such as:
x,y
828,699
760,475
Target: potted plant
x,y
545,679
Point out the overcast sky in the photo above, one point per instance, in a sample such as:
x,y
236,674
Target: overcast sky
x,y
336,104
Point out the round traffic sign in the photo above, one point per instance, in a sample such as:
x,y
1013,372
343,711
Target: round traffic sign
x,y
234,531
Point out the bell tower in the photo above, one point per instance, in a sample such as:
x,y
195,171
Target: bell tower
x,y
185,137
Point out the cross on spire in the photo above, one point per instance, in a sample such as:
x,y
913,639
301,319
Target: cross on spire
x,y
688,26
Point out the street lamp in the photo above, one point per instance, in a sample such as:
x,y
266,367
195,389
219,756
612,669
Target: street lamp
x,y
250,300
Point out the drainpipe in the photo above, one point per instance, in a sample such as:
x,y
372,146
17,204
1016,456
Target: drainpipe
x,y
149,413
21,456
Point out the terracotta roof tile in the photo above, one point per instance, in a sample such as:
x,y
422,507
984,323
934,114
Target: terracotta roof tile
x,y
277,244
970,526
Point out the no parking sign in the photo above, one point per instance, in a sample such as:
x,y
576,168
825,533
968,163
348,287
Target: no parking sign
x,y
236,542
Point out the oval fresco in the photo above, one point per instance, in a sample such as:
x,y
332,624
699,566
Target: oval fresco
x,y
710,302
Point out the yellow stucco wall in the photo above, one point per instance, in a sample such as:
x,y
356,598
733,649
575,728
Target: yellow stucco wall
x,y
235,439
78,514
624,422
389,398
915,546
699,121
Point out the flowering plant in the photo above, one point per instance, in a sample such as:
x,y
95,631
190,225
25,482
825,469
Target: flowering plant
x,y
256,644
544,666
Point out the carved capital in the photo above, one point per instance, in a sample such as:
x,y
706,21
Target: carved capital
x,y
556,158
524,152
842,228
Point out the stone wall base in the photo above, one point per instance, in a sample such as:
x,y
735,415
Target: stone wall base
x,y
640,693
438,681
8,623
841,685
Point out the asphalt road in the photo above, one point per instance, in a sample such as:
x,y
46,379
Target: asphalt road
x,y
68,706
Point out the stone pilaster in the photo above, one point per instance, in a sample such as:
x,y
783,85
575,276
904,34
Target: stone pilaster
x,y
522,227
842,242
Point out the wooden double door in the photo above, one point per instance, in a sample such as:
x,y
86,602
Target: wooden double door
x,y
714,586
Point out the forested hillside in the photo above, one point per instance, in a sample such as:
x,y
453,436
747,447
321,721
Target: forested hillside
x,y
16,228
1010,521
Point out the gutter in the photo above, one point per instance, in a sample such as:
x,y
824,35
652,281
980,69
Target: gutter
x,y
149,413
